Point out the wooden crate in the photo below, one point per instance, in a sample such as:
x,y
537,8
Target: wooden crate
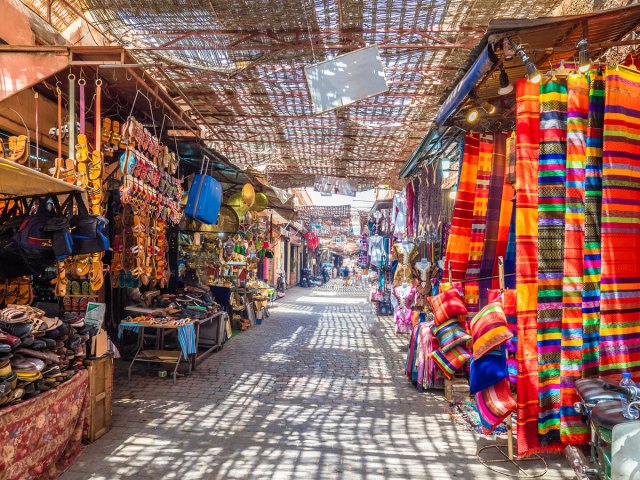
x,y
100,396
456,389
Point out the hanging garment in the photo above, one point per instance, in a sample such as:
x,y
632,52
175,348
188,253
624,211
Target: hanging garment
x,y
592,233
410,205
620,280
457,252
376,250
423,290
478,226
551,212
404,252
404,295
416,204
492,222
400,215
527,137
573,431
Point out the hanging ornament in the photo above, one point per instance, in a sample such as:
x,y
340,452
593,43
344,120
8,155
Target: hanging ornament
x,y
261,202
248,195
235,201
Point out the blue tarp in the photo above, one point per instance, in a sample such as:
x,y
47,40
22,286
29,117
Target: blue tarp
x,y
464,86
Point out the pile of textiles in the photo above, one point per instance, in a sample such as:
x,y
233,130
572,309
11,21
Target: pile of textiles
x,y
420,369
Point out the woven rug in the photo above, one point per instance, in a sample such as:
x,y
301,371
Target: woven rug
x,y
494,205
620,281
478,226
592,212
573,430
527,137
551,212
459,236
465,413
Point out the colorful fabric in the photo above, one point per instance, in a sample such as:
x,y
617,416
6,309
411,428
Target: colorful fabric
x,y
489,329
451,361
41,437
494,206
510,254
450,334
527,137
504,224
447,305
457,254
592,213
508,299
494,404
620,280
478,226
488,370
573,431
551,212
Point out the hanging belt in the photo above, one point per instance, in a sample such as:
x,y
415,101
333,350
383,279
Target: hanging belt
x,y
37,134
72,116
82,83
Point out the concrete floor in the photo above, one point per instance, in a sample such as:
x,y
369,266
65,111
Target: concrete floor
x,y
312,393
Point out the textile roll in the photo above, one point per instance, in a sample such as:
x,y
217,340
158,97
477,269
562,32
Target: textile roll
x,y
458,243
551,212
527,138
478,226
494,205
573,431
620,280
505,222
592,211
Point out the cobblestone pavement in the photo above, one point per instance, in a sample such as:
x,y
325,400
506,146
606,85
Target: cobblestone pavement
x,y
313,393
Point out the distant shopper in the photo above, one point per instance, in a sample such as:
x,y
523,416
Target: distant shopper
x,y
335,272
345,274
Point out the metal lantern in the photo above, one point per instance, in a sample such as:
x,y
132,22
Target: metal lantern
x,y
248,195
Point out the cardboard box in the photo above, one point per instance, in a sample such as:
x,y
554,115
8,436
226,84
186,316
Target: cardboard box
x,y
99,344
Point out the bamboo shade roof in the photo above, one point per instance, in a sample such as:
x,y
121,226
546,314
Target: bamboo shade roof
x,y
240,64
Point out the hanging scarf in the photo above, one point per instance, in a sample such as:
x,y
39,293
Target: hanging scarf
x,y
593,210
478,226
506,220
494,205
620,280
551,212
573,431
458,242
527,139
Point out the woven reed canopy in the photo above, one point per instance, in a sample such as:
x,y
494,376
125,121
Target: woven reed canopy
x,y
240,65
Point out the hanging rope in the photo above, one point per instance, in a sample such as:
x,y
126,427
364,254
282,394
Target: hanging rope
x,y
37,133
82,82
72,116
98,120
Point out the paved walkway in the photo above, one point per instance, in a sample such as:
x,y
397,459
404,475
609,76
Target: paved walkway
x,y
312,393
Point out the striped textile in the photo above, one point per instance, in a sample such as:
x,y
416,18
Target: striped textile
x,y
458,242
494,204
527,137
505,222
510,254
478,226
187,339
593,210
551,211
573,430
620,280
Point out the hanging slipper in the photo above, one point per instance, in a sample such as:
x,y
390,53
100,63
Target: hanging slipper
x,y
82,148
85,287
106,130
18,151
115,136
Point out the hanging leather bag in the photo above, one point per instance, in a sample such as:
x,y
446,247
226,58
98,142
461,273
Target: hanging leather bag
x,y
88,231
12,263
45,236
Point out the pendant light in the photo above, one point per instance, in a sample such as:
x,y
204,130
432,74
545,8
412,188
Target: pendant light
x,y
584,62
532,74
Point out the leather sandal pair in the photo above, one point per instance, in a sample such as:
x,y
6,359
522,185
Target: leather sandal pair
x,y
18,149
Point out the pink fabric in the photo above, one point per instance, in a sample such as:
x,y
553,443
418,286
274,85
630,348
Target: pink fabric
x,y
410,199
403,310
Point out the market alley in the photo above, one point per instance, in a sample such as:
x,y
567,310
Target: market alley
x,y
315,392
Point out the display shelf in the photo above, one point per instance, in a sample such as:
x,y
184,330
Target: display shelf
x,y
19,180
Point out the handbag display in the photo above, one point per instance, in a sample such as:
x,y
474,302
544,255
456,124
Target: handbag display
x,y
205,197
12,263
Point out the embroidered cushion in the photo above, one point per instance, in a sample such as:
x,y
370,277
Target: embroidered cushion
x,y
450,334
494,404
488,370
451,361
447,305
489,329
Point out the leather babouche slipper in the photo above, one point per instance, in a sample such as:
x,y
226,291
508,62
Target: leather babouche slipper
x,y
27,341
5,356
48,357
4,348
17,329
26,365
5,368
9,339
